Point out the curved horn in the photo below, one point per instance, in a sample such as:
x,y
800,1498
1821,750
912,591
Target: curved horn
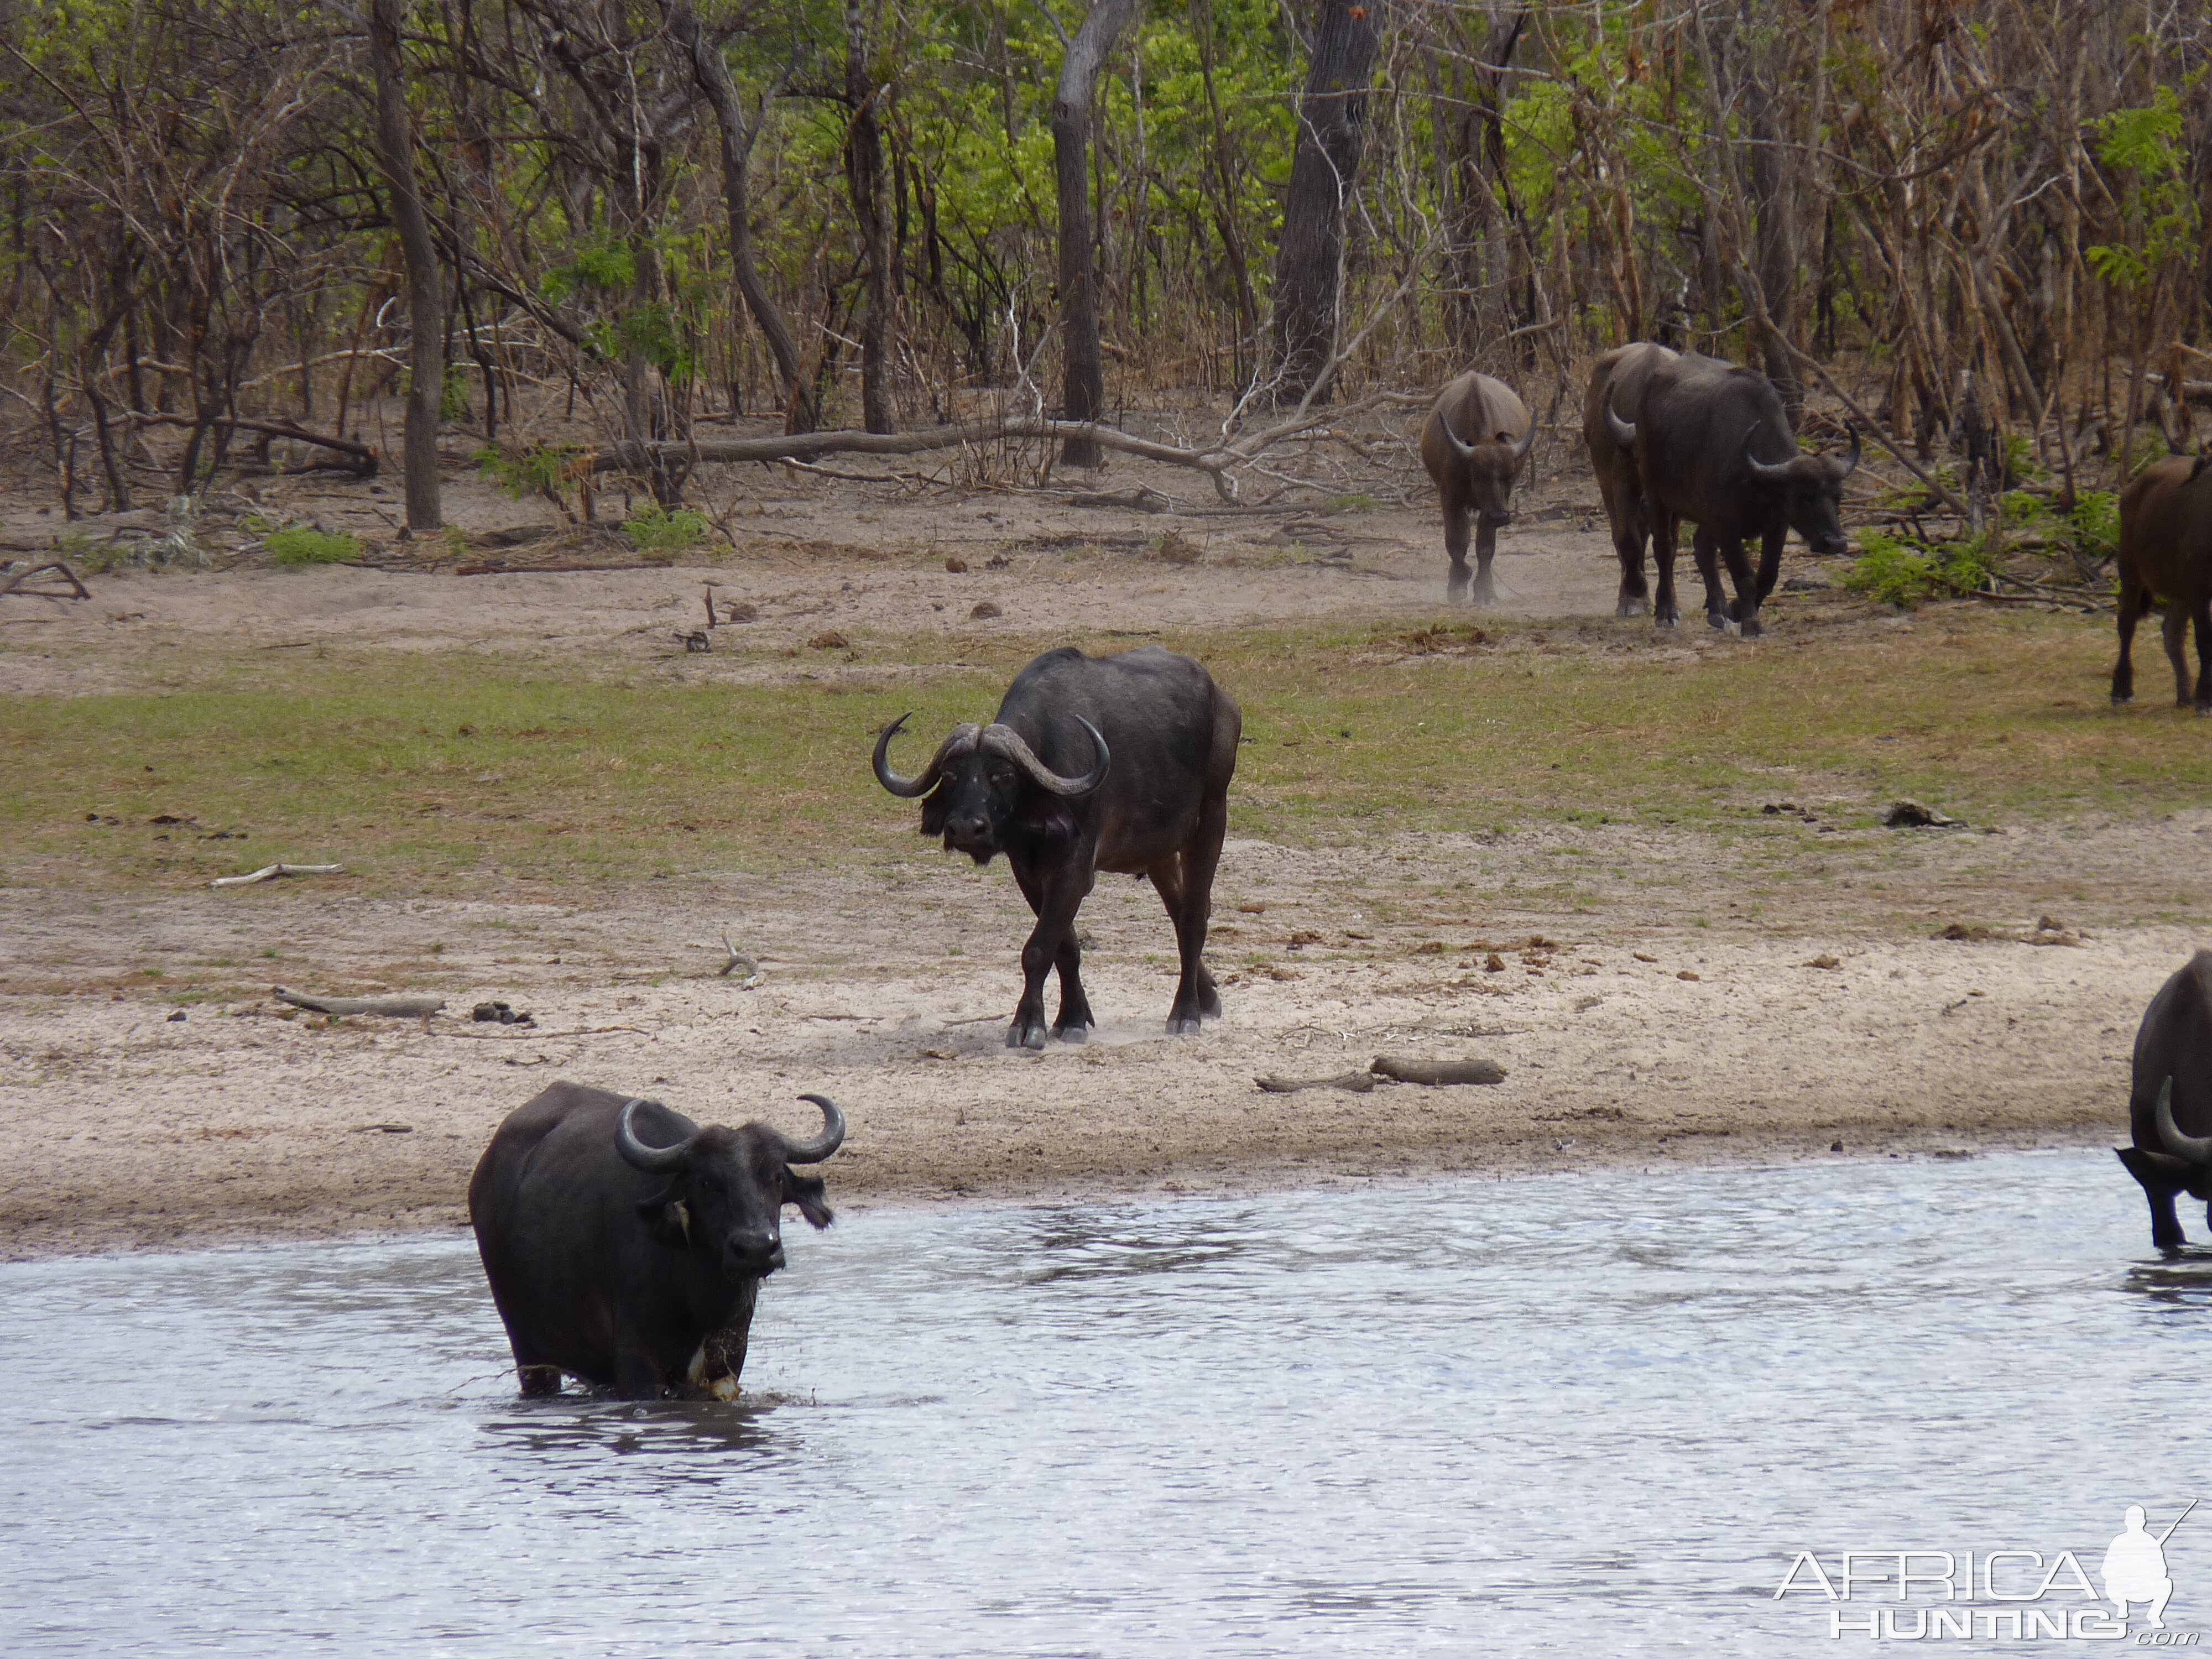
x,y
1528,441
1624,432
831,1137
1462,451
961,739
2197,1149
657,1160
1851,460
1008,742
1765,471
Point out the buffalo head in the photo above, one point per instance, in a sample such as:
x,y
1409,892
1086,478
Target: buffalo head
x,y
1489,466
727,1188
985,785
1811,491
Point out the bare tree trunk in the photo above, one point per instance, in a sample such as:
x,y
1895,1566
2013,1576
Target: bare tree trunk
x,y
712,74
1085,395
1478,168
426,308
864,174
1309,259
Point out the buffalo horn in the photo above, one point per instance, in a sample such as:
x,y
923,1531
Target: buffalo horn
x,y
1851,460
1528,441
659,1160
2197,1149
962,740
1465,451
831,1137
1765,471
1008,742
1624,432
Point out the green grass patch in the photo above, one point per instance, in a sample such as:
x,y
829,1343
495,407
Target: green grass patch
x,y
412,769
299,546
658,530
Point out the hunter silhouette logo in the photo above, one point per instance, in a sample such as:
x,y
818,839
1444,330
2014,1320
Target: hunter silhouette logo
x,y
2000,1594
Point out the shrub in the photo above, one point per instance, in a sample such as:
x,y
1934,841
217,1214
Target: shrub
x,y
1898,573
656,531
299,545
2096,521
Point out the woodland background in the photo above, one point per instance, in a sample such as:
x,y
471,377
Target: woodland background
x,y
241,221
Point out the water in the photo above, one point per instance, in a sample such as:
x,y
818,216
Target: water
x,y
1581,1414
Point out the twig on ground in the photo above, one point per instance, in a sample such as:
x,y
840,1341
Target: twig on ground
x,y
267,870
1357,1083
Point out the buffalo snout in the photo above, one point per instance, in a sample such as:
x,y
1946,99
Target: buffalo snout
x,y
753,1251
1495,520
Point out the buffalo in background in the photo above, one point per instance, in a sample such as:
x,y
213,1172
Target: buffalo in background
x,y
2166,549
1120,764
625,1245
1474,474
2170,1104
1712,443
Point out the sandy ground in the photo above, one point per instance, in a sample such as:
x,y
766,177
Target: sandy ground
x,y
1628,1033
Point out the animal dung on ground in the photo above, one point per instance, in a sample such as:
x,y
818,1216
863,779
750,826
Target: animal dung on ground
x,y
984,611
1963,930
830,640
1438,1074
1642,956
697,640
177,1018
741,611
1357,1083
956,565
1912,815
498,1013
1688,974
1824,960
394,1007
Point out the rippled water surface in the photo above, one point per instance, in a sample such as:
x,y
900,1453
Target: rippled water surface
x,y
1581,1414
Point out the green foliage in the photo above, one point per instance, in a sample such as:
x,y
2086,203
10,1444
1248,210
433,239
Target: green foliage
x,y
1899,572
454,398
299,546
2095,521
547,470
2144,145
657,531
2023,506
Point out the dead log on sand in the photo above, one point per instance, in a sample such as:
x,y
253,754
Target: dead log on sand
x,y
398,1007
1357,1083
268,870
1438,1074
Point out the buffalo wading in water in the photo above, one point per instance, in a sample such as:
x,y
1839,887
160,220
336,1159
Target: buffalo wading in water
x,y
625,1245
1119,763
1712,444
2166,551
2170,1102
1473,444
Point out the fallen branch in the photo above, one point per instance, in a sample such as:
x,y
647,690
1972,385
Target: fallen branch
x,y
540,1036
738,959
15,582
363,458
268,870
398,1007
1438,1074
1357,1083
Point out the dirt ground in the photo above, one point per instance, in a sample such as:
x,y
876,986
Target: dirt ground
x,y
1630,1033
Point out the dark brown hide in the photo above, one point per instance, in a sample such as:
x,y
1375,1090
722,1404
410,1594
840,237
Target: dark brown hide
x,y
1618,382
2166,551
2171,1153
1473,444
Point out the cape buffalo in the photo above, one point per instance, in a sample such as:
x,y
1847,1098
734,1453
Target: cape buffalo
x,y
2170,1105
1119,763
1475,474
1617,382
625,1245
1713,445
2166,548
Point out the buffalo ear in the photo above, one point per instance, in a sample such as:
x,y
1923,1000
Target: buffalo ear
x,y
936,807
810,1193
667,1218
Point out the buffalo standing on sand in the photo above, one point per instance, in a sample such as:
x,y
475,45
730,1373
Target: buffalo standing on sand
x,y
1120,764
625,1245
1475,474
2166,549
1674,436
2170,1104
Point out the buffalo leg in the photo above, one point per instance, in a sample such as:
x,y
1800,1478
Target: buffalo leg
x,y
1770,564
1706,546
2203,609
2133,602
1624,509
1185,884
1666,613
1456,517
1486,550
1075,1020
2166,1233
1059,896
2175,630
539,1381
1745,610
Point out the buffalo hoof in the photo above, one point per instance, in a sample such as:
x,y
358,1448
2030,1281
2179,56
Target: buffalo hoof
x,y
1750,628
1717,619
2122,699
1628,608
1183,1025
1018,1036
1072,1033
1209,1003
1665,619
